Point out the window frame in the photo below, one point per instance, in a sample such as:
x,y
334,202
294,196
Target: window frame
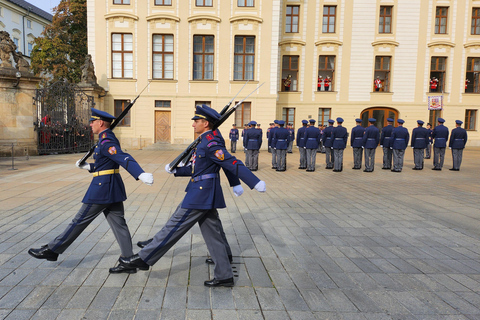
x,y
163,54
441,80
472,75
475,21
468,117
291,17
163,102
323,116
244,55
386,81
122,52
326,70
121,2
203,4
241,113
286,71
433,116
162,3
329,16
204,54
127,120
245,3
438,20
382,23
287,115
29,24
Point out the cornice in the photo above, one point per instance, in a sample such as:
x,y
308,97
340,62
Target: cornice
x,y
121,15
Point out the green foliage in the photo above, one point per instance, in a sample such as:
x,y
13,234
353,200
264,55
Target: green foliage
x,y
62,48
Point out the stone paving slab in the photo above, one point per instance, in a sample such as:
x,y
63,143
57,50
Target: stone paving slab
x,y
316,245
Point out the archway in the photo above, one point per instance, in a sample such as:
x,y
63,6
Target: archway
x,y
380,114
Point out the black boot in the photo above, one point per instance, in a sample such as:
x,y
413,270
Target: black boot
x,y
122,269
133,262
143,244
43,253
219,283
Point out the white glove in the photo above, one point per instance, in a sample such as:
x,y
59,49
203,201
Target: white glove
x,y
381,146
237,190
85,165
260,186
449,148
146,178
412,147
167,168
363,147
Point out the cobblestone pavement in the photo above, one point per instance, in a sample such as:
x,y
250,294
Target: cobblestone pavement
x,y
316,245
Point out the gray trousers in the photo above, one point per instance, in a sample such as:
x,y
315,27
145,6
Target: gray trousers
x,y
252,156
428,151
457,155
328,157
370,158
303,157
281,159
290,146
337,159
398,159
387,157
274,158
233,146
311,158
418,157
179,223
247,158
438,157
88,212
357,157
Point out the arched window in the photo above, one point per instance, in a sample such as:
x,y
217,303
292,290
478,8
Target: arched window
x,y
380,114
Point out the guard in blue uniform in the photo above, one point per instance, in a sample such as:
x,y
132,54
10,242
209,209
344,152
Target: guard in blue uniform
x,y
457,142
339,143
291,137
400,137
270,143
370,143
312,141
272,125
253,143
428,149
356,142
203,197
233,138
328,142
105,194
301,145
386,143
440,136
280,142
420,139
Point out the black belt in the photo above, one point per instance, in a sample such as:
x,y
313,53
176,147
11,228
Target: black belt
x,y
205,177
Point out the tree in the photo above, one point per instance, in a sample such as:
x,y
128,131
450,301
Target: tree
x,y
62,48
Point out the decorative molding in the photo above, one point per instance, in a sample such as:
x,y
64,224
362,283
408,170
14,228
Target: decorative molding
x,y
385,43
328,43
162,16
472,44
292,43
121,15
441,43
245,18
204,17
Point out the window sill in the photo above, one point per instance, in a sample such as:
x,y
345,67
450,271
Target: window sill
x,y
382,92
243,81
471,93
164,80
290,92
437,93
203,81
122,79
319,92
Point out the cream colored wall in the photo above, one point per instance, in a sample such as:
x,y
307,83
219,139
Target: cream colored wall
x,y
355,44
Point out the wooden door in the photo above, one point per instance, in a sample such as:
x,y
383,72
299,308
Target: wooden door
x,y
162,126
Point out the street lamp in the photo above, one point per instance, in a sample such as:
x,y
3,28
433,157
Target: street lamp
x,y
18,75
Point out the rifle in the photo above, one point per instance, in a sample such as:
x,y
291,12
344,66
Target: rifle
x,y
113,125
187,153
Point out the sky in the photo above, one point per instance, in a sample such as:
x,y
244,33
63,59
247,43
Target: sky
x,y
45,5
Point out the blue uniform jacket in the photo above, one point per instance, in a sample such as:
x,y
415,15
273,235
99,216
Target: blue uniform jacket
x,y
327,136
233,134
270,136
339,137
386,136
252,139
400,137
420,137
371,137
458,138
280,138
440,135
291,133
430,133
301,137
312,137
204,190
109,188
357,136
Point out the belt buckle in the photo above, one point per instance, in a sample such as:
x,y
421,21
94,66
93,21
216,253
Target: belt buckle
x,y
193,180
